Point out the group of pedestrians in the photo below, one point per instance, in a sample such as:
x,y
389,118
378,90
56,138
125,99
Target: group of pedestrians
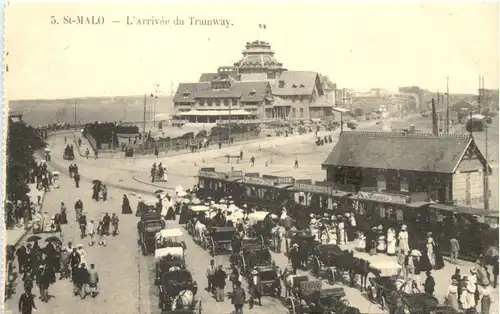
x,y
217,280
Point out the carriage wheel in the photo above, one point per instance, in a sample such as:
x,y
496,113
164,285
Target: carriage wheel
x,y
331,275
290,304
383,302
278,290
317,264
346,302
372,294
213,246
243,264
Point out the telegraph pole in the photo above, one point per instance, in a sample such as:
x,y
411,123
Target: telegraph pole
x,y
74,107
487,172
447,106
144,123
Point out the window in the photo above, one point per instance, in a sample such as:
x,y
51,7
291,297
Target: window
x,y
301,112
294,112
226,102
381,210
202,102
217,102
209,102
399,214
294,86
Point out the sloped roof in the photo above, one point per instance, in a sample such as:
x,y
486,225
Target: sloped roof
x,y
463,105
245,91
414,152
304,82
207,77
192,88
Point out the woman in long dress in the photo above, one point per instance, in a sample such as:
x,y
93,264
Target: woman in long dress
x,y
126,209
451,297
438,255
403,240
391,242
430,249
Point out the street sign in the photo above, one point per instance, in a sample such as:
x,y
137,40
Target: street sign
x,y
258,181
212,175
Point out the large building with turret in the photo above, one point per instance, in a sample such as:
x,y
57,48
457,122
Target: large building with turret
x,y
256,87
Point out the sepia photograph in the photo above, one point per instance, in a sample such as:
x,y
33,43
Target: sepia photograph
x,y
251,157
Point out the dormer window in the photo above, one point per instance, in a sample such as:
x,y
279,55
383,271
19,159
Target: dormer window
x,y
294,86
253,92
186,93
281,84
302,86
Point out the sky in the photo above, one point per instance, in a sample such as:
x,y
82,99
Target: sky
x,y
358,45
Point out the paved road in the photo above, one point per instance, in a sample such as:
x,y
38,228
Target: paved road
x,y
280,161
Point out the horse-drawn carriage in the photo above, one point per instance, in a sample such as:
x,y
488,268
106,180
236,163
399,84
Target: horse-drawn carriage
x,y
384,282
177,290
194,213
169,259
168,238
258,226
305,242
147,206
256,260
69,153
330,259
417,303
147,228
310,298
218,239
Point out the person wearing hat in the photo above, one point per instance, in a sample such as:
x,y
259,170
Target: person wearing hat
x,y
341,231
91,231
430,249
403,240
294,257
486,300
430,284
255,288
238,297
219,282
381,247
467,297
452,295
81,281
391,242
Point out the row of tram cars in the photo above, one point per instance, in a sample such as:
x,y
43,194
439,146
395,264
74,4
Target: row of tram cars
x,y
177,289
328,261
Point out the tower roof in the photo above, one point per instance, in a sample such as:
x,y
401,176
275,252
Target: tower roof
x,y
258,54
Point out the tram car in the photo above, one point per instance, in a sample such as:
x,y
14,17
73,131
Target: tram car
x,y
147,228
219,239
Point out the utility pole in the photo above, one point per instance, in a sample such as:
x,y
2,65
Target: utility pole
x,y
229,129
144,123
447,106
487,171
74,107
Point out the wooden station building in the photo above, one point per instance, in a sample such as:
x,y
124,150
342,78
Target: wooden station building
x,y
406,169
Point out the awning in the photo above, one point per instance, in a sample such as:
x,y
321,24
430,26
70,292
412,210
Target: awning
x,y
214,113
234,179
341,110
463,210
284,186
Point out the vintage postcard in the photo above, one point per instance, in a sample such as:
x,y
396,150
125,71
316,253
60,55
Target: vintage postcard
x,y
257,157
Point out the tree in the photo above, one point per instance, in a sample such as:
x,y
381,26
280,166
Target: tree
x,y
22,142
327,83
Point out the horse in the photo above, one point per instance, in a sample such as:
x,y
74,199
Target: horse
x,y
183,301
361,267
199,230
287,276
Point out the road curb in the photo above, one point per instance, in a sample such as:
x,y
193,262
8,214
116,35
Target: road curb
x,y
151,184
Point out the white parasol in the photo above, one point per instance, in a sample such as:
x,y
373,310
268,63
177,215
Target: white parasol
x,y
181,193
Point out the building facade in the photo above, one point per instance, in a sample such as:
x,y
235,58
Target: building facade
x,y
446,169
255,87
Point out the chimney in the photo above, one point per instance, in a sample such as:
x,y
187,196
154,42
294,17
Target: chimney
x,y
435,130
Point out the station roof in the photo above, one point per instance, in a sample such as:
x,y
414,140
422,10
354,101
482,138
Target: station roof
x,y
391,150
297,83
213,113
